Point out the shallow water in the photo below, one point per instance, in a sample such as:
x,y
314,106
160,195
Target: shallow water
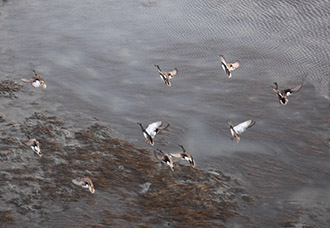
x,y
98,60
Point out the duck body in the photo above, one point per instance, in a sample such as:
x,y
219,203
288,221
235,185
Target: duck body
x,y
228,67
166,76
36,81
283,94
164,158
84,182
150,132
239,129
185,156
35,146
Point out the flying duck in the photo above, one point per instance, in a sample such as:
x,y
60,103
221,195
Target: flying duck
x,y
166,76
284,93
151,131
36,80
185,155
84,182
34,144
239,129
164,158
228,67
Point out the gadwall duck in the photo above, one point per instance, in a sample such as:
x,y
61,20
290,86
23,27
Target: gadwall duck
x,y
185,155
284,93
34,144
84,182
36,80
166,76
151,131
228,67
239,129
164,158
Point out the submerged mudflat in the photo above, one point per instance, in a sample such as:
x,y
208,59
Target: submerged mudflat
x,y
132,188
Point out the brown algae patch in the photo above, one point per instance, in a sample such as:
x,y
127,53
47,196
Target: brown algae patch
x,y
5,217
8,88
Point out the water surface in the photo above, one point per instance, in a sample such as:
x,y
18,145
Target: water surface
x,y
98,59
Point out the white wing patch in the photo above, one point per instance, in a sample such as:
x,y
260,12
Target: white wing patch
x,y
151,129
231,131
162,77
36,83
240,128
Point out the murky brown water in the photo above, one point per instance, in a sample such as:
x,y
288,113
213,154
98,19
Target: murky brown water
x,y
98,60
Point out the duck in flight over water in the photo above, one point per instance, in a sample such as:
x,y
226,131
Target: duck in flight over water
x,y
228,67
239,129
185,155
164,158
166,76
150,132
36,80
284,93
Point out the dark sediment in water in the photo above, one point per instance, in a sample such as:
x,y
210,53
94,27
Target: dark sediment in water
x,y
8,88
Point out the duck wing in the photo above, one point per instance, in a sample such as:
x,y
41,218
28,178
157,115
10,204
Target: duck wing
x,y
162,127
222,59
225,66
31,142
275,89
232,132
240,128
38,77
28,80
153,128
82,182
183,149
159,70
159,155
163,75
288,92
177,155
